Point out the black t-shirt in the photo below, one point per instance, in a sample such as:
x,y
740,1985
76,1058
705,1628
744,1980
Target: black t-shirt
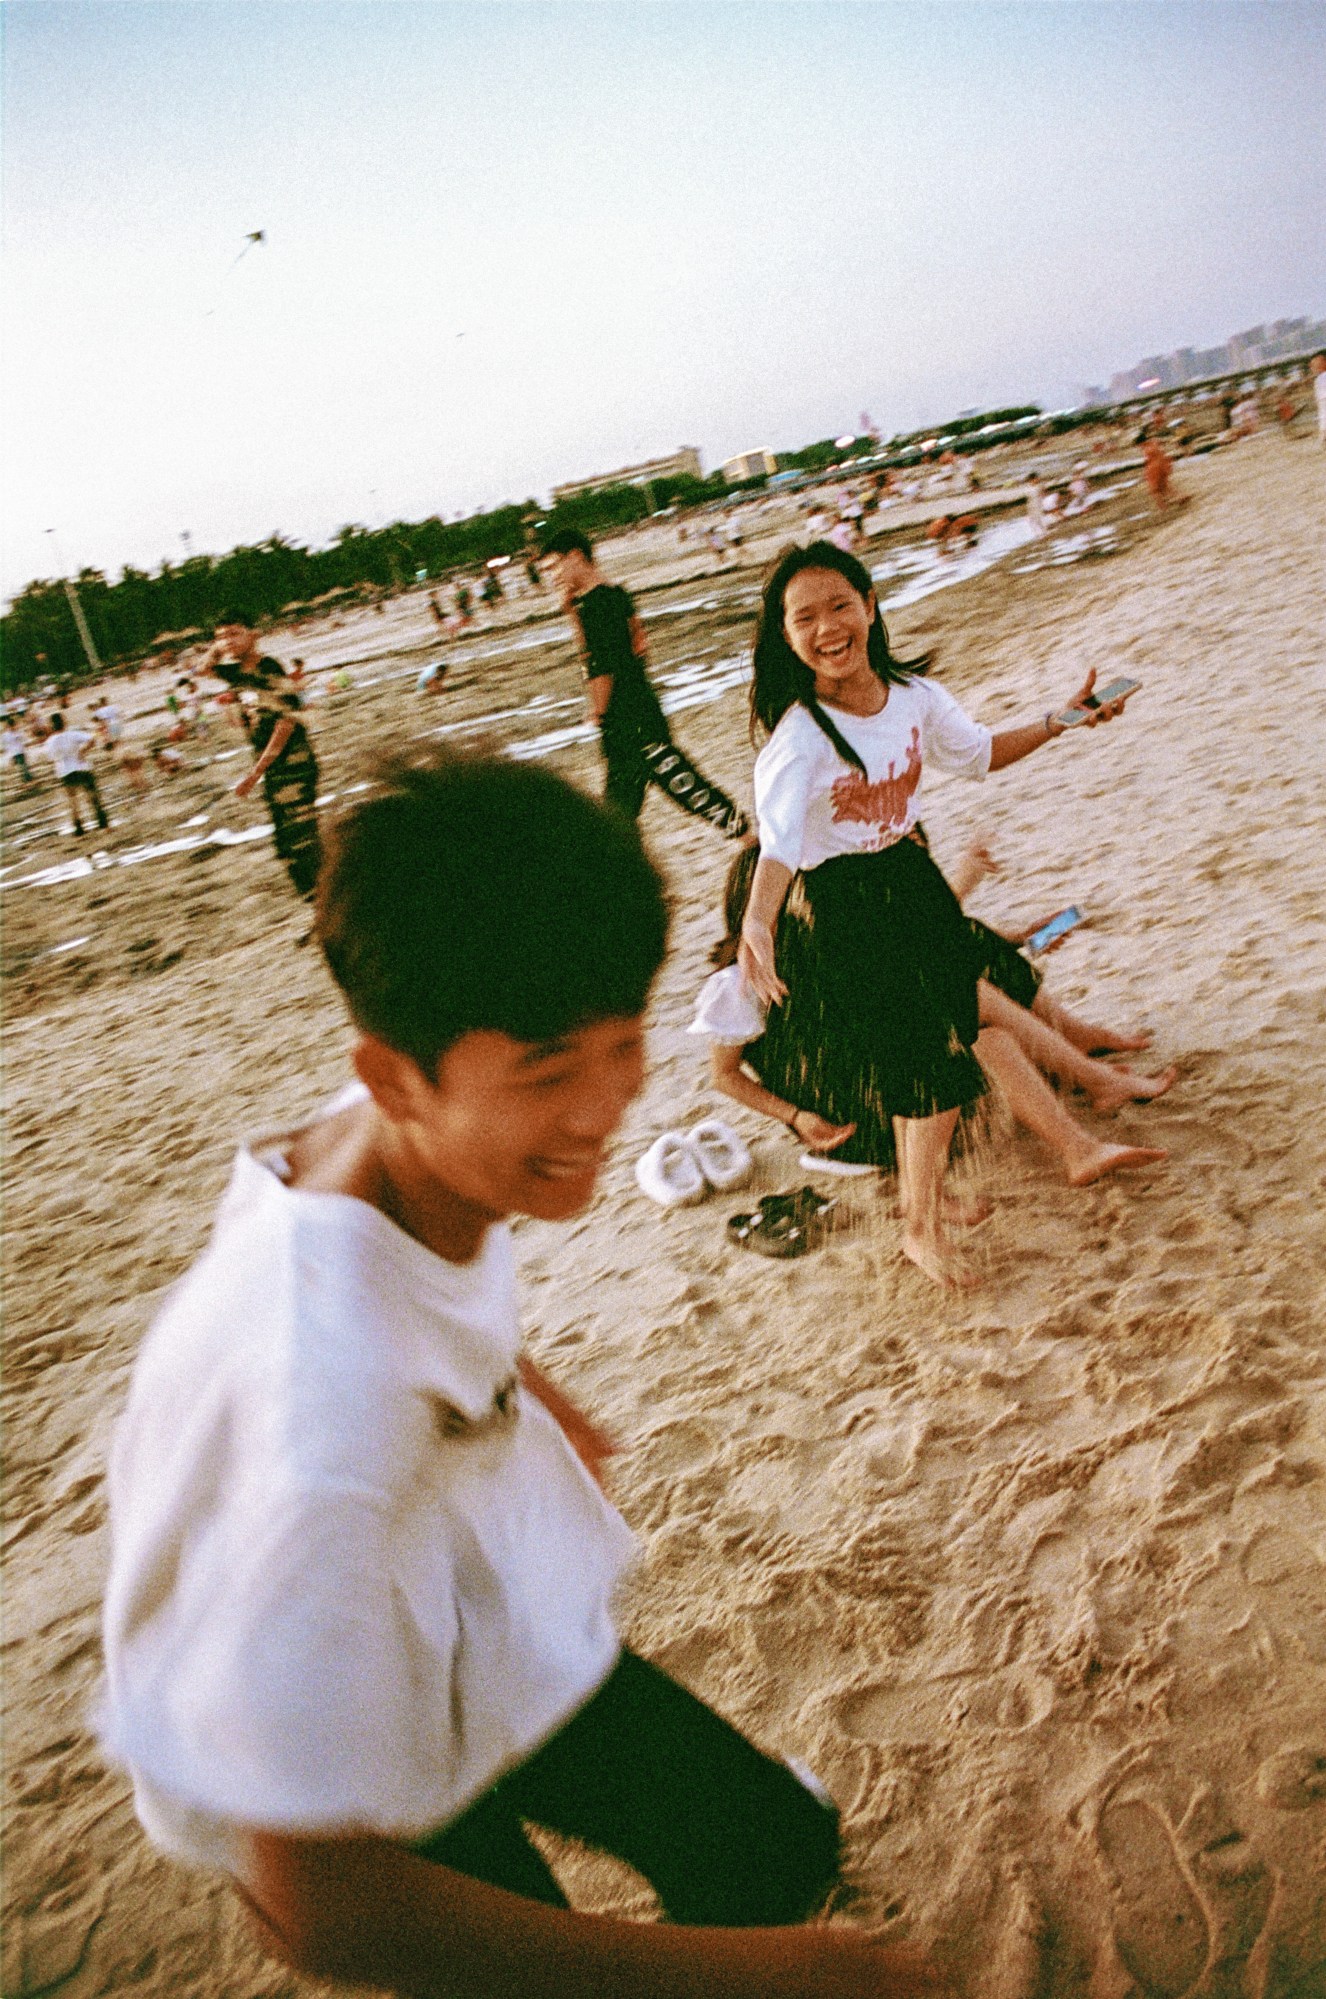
x,y
277,701
607,615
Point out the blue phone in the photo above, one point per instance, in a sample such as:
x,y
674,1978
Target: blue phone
x,y
1051,932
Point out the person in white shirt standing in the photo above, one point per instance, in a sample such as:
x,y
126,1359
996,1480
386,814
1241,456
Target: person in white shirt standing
x,y
1318,366
67,750
359,1625
850,731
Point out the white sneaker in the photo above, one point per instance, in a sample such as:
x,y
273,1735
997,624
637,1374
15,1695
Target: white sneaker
x,y
670,1172
724,1161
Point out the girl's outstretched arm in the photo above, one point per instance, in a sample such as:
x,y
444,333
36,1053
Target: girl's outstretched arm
x,y
755,954
1009,746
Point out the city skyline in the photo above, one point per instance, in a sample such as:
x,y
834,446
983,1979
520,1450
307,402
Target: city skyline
x,y
503,249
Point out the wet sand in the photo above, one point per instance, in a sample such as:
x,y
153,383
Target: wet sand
x,y
1035,1578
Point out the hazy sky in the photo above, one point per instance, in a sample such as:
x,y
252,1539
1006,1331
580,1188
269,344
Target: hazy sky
x,y
509,244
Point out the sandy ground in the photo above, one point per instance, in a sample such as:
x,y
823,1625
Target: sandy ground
x,y
1035,1578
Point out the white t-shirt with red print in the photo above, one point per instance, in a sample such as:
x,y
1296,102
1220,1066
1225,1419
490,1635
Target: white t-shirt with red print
x,y
813,806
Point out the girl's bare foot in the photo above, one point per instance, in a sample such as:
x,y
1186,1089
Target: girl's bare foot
x,y
1129,1086
931,1255
1095,1161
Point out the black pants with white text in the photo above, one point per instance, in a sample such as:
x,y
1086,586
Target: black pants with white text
x,y
636,763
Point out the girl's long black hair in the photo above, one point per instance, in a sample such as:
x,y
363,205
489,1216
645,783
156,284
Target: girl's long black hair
x,y
779,679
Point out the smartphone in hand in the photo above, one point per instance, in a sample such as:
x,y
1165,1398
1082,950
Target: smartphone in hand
x,y
1053,931
1117,690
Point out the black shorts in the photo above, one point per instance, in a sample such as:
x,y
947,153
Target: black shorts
x,y
724,1834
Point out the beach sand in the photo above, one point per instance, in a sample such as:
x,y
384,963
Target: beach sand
x,y
1033,1577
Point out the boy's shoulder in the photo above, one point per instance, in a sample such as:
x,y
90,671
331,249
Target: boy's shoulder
x,y
312,1323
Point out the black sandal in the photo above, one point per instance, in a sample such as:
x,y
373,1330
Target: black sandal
x,y
780,1235
786,1226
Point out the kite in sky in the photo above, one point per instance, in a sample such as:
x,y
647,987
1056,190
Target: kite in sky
x,y
254,237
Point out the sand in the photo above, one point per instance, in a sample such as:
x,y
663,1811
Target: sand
x,y
1034,1577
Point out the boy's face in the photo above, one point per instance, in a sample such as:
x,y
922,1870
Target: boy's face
x,y
518,1127
569,573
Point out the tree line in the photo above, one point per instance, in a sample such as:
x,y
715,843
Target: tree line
x,y
252,585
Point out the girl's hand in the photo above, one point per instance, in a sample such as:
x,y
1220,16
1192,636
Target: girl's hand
x,y
1106,712
755,956
817,1134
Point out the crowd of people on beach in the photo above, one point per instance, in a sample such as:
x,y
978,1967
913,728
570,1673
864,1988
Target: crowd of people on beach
x,y
360,1630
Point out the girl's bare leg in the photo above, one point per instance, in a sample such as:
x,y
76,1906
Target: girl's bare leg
x,y
922,1146
1081,1033
1108,1088
1034,1104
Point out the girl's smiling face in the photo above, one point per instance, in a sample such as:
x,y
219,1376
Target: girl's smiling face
x,y
827,626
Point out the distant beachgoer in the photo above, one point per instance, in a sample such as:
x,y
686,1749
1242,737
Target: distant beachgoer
x,y
633,730
1157,467
843,535
67,750
953,532
439,615
464,603
1036,505
431,678
284,755
1318,365
127,754
14,749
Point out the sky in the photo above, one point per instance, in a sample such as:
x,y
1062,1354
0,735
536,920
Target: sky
x,y
510,244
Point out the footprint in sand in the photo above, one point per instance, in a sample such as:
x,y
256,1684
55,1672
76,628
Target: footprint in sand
x,y
1160,1928
1293,1779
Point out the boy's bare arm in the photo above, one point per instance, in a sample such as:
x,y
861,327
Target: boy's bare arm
x,y
364,1911
590,1444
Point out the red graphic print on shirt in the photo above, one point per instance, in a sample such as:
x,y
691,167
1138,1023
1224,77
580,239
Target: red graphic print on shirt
x,y
884,804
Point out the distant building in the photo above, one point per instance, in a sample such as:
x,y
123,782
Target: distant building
x,y
681,464
759,464
1255,347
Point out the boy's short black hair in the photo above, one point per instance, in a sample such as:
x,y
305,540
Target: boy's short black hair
x,y
568,541
470,891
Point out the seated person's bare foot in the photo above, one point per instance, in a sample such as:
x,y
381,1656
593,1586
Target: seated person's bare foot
x,y
932,1255
1094,1161
1105,1041
1128,1086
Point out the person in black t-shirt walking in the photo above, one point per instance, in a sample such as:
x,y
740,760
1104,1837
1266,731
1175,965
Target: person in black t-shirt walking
x,y
637,744
284,758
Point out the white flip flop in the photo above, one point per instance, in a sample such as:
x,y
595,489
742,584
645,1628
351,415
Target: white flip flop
x,y
824,1162
722,1158
670,1172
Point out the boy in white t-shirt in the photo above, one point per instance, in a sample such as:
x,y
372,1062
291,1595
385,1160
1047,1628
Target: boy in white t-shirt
x,y
67,750
359,1622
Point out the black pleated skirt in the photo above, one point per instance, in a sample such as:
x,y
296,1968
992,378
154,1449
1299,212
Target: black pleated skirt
x,y
881,967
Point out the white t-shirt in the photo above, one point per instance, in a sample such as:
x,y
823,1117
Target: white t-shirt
x,y
728,1011
65,749
1319,391
109,717
356,1571
13,744
812,806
